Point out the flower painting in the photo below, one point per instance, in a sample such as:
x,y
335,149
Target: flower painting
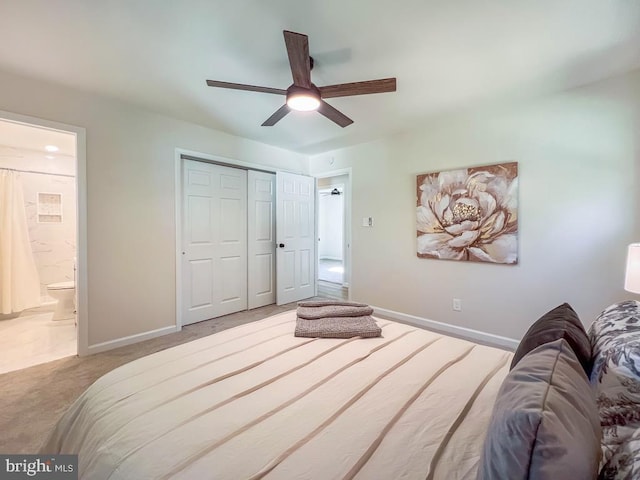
x,y
469,214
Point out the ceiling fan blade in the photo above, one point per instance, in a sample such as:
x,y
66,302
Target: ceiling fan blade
x,y
334,115
359,88
298,51
242,86
277,116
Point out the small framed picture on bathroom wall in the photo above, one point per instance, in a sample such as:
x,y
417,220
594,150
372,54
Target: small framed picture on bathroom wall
x,y
49,207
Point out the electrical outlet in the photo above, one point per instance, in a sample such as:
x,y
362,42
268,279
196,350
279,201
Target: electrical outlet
x,y
457,305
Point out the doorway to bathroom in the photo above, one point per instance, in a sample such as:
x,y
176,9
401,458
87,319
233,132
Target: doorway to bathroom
x,y
38,243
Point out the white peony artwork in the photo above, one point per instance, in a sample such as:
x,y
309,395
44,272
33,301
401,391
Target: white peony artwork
x,y
469,214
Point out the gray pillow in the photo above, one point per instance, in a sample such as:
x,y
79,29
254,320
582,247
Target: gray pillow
x,y
561,322
545,421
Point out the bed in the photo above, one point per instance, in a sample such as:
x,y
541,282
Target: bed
x,y
256,402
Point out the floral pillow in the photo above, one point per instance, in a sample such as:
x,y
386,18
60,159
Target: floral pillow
x,y
615,340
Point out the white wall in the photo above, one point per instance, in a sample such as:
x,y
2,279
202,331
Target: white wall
x,y
131,194
330,226
578,155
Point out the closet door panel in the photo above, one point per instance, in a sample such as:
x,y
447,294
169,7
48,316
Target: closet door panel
x,y
214,239
295,261
261,232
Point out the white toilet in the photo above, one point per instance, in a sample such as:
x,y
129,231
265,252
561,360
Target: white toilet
x,y
65,294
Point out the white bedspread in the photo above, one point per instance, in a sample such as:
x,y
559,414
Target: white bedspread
x,y
256,402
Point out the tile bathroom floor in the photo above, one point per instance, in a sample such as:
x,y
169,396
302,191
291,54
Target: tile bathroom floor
x,y
34,338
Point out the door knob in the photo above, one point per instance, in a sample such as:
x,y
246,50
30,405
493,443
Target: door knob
x,y
281,245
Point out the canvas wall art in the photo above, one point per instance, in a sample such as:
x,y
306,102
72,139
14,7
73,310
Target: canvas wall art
x,y
469,214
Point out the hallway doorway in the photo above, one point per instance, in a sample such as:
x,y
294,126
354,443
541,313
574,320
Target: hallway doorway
x,y
331,234
333,202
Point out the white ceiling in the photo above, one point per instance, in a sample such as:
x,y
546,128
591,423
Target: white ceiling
x,y
18,136
447,55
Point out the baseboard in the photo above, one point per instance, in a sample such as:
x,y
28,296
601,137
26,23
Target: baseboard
x,y
335,259
139,337
453,330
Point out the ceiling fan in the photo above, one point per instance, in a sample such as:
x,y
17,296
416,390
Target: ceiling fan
x,y
303,95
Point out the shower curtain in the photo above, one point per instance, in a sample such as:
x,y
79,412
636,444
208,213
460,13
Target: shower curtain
x,y
19,281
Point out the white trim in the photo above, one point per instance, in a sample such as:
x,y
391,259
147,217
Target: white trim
x,y
178,229
348,241
233,161
131,339
461,332
82,289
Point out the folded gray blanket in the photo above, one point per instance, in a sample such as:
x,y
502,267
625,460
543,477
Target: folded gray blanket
x,y
340,327
333,310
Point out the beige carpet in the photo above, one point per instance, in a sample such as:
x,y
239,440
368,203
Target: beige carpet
x,y
33,399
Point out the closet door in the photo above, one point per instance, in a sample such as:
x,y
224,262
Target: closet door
x,y
214,239
261,231
295,237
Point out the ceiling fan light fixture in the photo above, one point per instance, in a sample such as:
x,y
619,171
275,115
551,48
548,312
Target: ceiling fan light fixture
x,y
303,95
303,99
303,102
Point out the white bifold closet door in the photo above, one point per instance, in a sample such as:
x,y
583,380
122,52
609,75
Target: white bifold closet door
x,y
228,227
214,273
295,236
261,237
229,238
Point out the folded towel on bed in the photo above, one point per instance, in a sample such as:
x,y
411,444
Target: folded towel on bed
x,y
338,327
324,303
332,310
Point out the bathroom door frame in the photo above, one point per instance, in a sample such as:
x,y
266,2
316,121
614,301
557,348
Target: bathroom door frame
x,y
82,307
